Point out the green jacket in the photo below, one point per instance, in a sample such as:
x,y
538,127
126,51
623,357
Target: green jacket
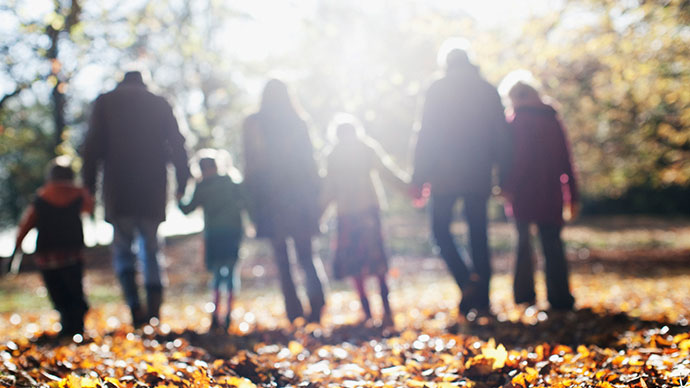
x,y
222,201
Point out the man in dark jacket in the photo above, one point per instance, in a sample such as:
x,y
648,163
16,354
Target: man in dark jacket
x,y
459,142
134,135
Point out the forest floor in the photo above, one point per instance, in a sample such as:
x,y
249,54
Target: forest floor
x,y
630,278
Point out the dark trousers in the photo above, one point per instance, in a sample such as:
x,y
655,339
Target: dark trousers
x,y
475,213
65,290
313,275
557,285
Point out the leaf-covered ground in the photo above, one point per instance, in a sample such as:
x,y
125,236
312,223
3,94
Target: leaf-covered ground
x,y
630,329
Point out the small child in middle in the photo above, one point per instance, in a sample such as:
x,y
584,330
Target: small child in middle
x,y
352,182
222,201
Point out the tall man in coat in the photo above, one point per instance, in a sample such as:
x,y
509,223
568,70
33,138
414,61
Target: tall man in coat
x,y
460,141
133,135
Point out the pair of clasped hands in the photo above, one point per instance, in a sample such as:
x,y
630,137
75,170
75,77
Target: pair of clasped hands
x,y
420,194
420,197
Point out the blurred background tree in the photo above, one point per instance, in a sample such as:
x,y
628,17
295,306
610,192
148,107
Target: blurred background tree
x,y
619,72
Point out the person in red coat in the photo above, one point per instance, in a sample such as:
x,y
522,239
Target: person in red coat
x,y
540,182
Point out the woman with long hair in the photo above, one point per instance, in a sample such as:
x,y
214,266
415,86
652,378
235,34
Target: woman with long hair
x,y
282,180
542,180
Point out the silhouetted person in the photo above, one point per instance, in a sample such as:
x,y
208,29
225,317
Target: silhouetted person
x,y
283,182
460,140
541,176
133,135
222,200
56,215
350,185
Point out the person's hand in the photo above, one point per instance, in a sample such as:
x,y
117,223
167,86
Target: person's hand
x,y
250,230
420,195
178,196
572,211
507,196
414,191
15,260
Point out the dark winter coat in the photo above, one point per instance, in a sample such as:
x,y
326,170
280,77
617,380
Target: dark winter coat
x,y
462,135
133,135
542,172
281,176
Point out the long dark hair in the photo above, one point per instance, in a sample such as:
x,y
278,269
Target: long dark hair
x,y
277,102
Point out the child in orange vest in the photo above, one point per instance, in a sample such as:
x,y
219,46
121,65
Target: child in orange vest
x,y
56,214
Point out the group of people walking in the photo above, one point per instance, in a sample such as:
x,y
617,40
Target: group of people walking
x,y
464,137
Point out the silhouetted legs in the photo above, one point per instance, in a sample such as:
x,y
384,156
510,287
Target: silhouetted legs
x,y
557,283
523,283
223,277
65,290
442,217
303,247
474,283
475,212
293,307
314,274
383,289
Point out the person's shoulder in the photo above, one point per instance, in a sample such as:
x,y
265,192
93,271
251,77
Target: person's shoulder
x,y
488,88
438,84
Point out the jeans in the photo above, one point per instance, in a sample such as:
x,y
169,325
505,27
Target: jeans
x,y
224,276
145,231
475,213
557,285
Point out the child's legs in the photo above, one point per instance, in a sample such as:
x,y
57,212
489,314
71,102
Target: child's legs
x,y
64,286
557,283
523,281
223,278
361,292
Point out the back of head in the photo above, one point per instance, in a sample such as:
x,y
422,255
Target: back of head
x,y
524,94
275,98
60,169
208,164
456,55
345,126
133,77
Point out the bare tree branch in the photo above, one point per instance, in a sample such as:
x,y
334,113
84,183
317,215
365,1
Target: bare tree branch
x,y
18,89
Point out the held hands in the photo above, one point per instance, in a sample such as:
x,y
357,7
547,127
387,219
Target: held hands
x,y
420,195
571,211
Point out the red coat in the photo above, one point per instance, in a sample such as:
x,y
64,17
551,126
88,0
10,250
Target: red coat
x,y
542,175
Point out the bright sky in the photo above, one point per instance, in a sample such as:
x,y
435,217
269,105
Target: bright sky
x,y
275,23
272,28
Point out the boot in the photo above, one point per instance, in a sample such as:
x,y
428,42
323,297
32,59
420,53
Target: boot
x,y
138,317
154,299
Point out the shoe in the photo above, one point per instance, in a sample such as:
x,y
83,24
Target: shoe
x,y
138,317
387,321
154,299
215,325
314,316
470,293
